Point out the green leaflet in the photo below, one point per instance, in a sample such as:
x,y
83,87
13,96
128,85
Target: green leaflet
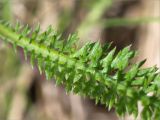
x,y
106,62
106,47
133,71
71,41
95,54
121,60
93,70
82,53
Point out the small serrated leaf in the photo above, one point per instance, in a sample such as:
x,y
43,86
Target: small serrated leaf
x,y
132,72
111,103
18,26
32,58
122,59
106,46
106,62
95,54
25,53
71,41
40,64
77,77
26,31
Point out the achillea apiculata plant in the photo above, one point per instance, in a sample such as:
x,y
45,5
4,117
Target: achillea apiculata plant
x,y
95,71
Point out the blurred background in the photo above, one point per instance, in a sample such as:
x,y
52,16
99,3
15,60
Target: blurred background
x,y
26,95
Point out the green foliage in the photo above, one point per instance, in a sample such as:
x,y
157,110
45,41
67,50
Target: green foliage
x,y
95,71
114,22
5,11
94,15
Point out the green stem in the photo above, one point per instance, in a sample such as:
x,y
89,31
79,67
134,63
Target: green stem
x,y
113,22
13,38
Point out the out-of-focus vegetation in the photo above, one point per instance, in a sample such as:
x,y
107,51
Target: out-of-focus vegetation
x,y
103,19
9,66
5,7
